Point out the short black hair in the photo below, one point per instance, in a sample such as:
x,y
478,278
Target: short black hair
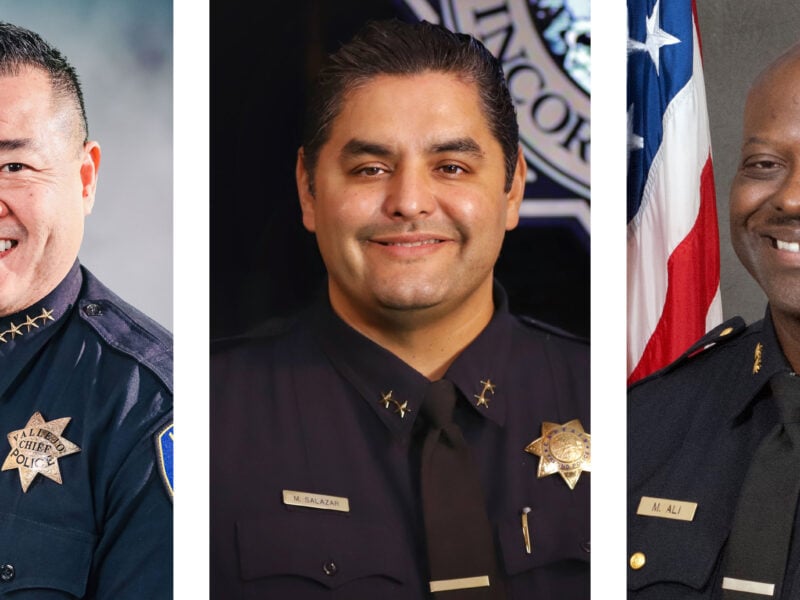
x,y
21,48
395,47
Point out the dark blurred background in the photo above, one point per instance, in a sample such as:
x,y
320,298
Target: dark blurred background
x,y
263,262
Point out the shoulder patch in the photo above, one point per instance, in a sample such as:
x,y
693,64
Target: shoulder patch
x,y
164,453
552,329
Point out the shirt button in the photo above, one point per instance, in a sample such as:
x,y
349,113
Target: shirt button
x,y
92,310
330,568
6,572
637,560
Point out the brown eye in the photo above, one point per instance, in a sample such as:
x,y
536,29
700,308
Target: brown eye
x,y
12,167
451,169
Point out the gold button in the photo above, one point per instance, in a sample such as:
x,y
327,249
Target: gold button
x,y
637,560
725,331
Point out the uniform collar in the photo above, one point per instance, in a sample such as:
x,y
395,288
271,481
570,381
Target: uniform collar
x,y
394,390
24,332
764,359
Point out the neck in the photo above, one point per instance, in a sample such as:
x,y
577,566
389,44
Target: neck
x,y
787,328
427,340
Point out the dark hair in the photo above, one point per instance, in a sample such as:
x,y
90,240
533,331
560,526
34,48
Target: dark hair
x,y
21,48
394,47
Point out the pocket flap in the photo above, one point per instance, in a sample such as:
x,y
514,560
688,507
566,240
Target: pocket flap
x,y
684,552
35,555
329,548
555,536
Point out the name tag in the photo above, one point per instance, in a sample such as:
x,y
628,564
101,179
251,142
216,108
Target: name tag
x,y
320,501
665,508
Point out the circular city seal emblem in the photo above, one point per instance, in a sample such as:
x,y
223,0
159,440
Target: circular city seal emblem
x,y
563,449
545,49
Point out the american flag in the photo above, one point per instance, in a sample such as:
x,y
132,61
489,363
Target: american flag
x,y
673,240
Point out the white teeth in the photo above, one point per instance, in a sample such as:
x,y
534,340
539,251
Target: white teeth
x,y
788,246
413,244
6,245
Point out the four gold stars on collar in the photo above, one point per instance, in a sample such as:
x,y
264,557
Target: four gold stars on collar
x,y
15,330
488,386
387,400
563,449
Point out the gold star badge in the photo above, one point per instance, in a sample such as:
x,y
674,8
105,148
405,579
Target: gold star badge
x,y
36,449
563,449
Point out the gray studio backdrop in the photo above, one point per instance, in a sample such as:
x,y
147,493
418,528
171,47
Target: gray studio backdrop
x,y
739,38
122,50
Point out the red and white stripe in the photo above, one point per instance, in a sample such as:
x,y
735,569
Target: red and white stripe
x,y
673,242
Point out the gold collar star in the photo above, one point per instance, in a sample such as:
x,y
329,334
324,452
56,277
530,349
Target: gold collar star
x,y
387,399
14,330
36,449
563,449
30,323
488,386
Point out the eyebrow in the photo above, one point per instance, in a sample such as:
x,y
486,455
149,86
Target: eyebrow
x,y
465,145
14,144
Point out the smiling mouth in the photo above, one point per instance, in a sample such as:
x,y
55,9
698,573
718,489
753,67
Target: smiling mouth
x,y
411,244
7,244
787,246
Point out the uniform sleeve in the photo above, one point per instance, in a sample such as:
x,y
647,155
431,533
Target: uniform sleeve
x,y
133,558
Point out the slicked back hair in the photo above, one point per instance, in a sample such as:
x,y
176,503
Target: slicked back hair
x,y
21,48
394,47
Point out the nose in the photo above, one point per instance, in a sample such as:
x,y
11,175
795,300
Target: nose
x,y
787,196
409,194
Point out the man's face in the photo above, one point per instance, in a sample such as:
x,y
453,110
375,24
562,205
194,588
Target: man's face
x,y
765,195
409,207
47,185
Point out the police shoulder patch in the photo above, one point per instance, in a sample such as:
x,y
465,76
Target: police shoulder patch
x,y
164,452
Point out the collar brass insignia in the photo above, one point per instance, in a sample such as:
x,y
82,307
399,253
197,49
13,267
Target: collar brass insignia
x,y
488,386
36,449
16,330
757,358
563,449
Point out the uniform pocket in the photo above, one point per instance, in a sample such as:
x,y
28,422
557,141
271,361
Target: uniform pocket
x,y
330,549
560,535
671,551
38,556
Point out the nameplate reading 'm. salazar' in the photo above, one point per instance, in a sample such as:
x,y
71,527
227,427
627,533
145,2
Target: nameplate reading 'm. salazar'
x,y
666,508
319,501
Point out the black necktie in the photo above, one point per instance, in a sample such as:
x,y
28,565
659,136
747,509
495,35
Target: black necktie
x,y
762,528
459,538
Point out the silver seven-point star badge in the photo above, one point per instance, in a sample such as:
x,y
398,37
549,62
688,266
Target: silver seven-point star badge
x,y
36,449
563,449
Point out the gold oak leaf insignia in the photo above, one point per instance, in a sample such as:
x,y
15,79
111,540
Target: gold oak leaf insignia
x,y
563,449
36,448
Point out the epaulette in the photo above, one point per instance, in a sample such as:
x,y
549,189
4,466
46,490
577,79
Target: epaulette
x,y
714,338
268,328
126,329
552,329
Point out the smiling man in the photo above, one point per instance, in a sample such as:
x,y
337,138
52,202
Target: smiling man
x,y
406,436
714,439
85,379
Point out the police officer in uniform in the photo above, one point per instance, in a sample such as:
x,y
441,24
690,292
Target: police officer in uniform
x,y
85,379
406,436
713,442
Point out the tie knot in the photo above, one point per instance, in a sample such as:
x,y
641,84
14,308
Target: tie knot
x,y
786,391
439,402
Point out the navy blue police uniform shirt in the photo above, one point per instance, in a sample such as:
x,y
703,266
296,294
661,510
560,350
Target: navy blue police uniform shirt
x,y
86,479
303,407
693,428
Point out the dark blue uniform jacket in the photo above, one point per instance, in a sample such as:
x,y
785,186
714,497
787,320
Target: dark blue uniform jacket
x,y
299,407
693,428
83,356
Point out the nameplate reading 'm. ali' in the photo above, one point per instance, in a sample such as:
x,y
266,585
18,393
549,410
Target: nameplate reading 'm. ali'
x,y
318,501
665,508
